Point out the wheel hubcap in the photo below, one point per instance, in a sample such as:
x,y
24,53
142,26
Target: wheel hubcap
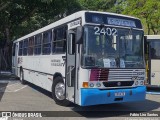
x,y
59,91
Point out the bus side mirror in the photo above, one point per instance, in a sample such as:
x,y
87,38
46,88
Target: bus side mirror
x,y
79,34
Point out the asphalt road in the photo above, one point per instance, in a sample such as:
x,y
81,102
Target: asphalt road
x,y
17,97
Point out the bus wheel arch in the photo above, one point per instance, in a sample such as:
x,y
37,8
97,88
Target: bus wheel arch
x,y
57,74
58,91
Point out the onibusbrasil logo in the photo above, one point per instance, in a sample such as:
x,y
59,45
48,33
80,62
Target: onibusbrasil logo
x,y
7,115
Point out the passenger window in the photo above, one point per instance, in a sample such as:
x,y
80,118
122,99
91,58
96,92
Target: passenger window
x,y
47,38
59,43
20,48
25,47
14,49
31,46
38,44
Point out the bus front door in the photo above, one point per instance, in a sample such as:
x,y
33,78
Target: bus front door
x,y
70,66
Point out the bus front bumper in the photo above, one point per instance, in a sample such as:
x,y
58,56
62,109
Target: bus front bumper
x,y
95,96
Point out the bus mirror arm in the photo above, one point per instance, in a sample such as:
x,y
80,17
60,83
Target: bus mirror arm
x,y
71,70
79,34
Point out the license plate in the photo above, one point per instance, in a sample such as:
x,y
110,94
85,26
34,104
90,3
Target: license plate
x,y
119,94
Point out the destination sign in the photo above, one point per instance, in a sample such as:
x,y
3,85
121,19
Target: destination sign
x,y
74,24
121,22
111,19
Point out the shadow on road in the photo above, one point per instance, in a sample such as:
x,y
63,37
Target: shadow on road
x,y
8,77
4,81
117,109
109,110
2,89
39,89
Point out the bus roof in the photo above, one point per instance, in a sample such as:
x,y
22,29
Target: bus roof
x,y
68,19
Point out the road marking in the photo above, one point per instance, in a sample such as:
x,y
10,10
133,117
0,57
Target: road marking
x,y
5,72
8,81
13,88
4,118
8,86
20,88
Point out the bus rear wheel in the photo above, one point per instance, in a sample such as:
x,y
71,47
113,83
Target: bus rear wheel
x,y
22,77
58,92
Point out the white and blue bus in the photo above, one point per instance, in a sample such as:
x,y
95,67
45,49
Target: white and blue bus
x,y
87,58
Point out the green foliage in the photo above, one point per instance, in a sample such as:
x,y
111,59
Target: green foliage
x,y
147,10
97,5
20,17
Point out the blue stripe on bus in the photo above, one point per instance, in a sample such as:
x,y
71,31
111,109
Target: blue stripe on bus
x,y
94,96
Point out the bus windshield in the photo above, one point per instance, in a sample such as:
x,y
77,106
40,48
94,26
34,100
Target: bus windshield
x,y
112,47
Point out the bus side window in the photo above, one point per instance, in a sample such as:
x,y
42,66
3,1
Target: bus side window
x,y
25,47
47,38
31,46
59,43
38,44
20,48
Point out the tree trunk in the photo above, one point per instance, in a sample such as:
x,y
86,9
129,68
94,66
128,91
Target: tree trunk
x,y
0,60
5,52
148,29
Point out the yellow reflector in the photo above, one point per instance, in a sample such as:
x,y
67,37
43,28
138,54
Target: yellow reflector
x,y
85,84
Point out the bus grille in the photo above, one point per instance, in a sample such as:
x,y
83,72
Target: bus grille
x,y
99,74
114,74
118,84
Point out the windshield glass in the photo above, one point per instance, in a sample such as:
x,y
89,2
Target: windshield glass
x,y
111,47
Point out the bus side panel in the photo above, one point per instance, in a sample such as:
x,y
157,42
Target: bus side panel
x,y
39,70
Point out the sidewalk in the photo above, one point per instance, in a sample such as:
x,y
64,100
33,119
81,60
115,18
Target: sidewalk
x,y
5,72
6,75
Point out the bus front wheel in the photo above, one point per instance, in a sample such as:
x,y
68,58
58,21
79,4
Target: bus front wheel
x,y
58,92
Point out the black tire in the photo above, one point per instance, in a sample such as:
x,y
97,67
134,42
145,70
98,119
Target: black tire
x,y
22,77
59,99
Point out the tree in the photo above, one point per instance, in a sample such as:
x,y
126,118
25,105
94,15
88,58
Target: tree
x,y
97,5
21,17
147,10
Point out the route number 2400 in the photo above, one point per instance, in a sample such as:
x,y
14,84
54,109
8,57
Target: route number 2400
x,y
105,31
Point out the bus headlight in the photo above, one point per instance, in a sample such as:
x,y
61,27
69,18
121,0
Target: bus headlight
x,y
91,85
98,84
142,83
136,82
